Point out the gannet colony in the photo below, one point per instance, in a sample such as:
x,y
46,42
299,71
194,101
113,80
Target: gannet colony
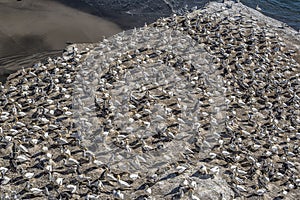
x,y
199,106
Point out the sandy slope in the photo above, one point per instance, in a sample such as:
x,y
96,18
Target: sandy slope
x,y
30,26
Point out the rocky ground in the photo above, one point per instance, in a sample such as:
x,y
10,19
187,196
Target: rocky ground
x,y
200,106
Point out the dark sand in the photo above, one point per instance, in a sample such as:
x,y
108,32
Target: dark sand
x,y
34,26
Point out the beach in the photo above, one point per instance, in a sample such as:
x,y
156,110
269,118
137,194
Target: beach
x,y
28,27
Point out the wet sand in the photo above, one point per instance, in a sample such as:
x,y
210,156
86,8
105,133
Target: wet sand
x,y
30,26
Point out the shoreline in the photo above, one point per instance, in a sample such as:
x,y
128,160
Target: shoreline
x,y
38,42
45,26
